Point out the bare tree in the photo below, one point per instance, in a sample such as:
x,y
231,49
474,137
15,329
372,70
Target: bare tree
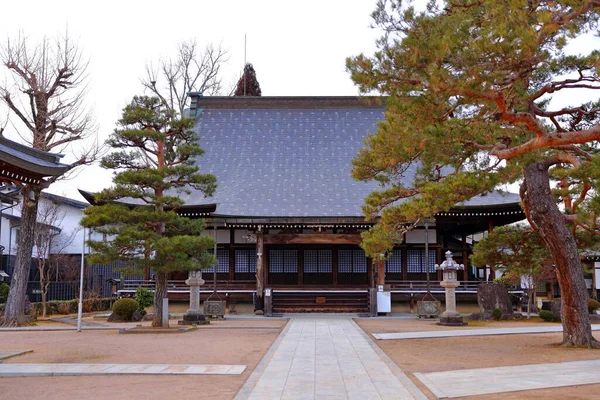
x,y
45,96
50,241
189,71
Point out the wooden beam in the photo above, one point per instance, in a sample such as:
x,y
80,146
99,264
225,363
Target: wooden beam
x,y
312,238
380,272
260,285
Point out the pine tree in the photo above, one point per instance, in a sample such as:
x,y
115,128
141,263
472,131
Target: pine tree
x,y
519,252
248,84
469,110
153,162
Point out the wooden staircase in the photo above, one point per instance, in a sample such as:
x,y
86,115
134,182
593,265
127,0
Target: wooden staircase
x,y
298,301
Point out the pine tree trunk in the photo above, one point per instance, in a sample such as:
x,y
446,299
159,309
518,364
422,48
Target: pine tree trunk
x,y
561,244
160,292
14,313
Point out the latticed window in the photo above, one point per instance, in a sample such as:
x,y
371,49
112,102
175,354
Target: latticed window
x,y
394,263
352,261
318,261
415,261
283,261
223,262
245,260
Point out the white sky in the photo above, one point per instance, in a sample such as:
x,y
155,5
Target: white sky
x,y
298,48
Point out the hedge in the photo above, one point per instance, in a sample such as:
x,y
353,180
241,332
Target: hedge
x,y
89,305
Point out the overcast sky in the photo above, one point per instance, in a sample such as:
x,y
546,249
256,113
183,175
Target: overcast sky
x,y
298,48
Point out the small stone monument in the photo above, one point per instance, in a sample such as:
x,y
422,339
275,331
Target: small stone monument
x,y
450,317
194,316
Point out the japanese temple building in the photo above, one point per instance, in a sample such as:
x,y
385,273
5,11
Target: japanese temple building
x,y
287,213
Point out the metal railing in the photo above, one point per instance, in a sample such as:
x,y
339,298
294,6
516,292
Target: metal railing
x,y
396,286
174,286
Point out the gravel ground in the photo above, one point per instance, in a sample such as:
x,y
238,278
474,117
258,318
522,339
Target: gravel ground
x,y
444,354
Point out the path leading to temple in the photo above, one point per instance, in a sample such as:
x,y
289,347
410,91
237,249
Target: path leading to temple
x,y
327,358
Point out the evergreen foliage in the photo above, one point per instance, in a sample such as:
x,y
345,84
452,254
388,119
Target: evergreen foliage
x,y
519,252
469,86
248,84
125,308
144,298
153,158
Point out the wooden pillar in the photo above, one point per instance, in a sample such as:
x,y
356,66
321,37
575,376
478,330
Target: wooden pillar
x,y
594,291
404,258
380,272
231,263
465,260
334,268
260,285
300,272
490,229
440,259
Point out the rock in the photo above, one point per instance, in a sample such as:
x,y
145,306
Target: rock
x,y
137,316
114,318
475,316
148,317
493,295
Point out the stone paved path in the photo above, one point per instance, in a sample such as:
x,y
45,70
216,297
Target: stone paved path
x,y
19,370
326,358
449,384
472,332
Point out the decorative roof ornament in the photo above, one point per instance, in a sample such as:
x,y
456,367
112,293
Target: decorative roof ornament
x,y
449,263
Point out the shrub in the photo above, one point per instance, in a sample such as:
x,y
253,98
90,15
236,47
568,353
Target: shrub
x,y
144,298
497,314
593,305
64,308
87,305
125,308
3,291
547,315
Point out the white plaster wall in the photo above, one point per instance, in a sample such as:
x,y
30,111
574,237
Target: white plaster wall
x,y
223,236
69,224
418,236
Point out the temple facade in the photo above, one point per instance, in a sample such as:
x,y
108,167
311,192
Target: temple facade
x,y
287,213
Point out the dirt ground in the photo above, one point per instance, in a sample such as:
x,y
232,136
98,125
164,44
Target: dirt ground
x,y
444,354
204,346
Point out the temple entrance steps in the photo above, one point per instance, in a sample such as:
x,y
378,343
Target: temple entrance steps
x,y
295,301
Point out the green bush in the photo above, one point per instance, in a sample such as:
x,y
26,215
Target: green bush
x,y
144,298
125,308
593,305
4,288
497,314
546,315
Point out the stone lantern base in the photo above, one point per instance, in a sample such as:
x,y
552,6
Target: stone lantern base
x,y
194,319
451,319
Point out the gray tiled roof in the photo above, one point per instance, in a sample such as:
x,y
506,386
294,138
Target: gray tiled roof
x,y
287,162
284,162
30,159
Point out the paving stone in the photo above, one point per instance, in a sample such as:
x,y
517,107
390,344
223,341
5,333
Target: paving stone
x,y
328,358
117,369
450,384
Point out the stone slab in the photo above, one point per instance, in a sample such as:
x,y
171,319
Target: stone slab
x,y
472,332
322,357
25,370
7,354
459,383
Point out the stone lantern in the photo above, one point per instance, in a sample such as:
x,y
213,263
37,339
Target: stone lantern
x,y
194,316
449,267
